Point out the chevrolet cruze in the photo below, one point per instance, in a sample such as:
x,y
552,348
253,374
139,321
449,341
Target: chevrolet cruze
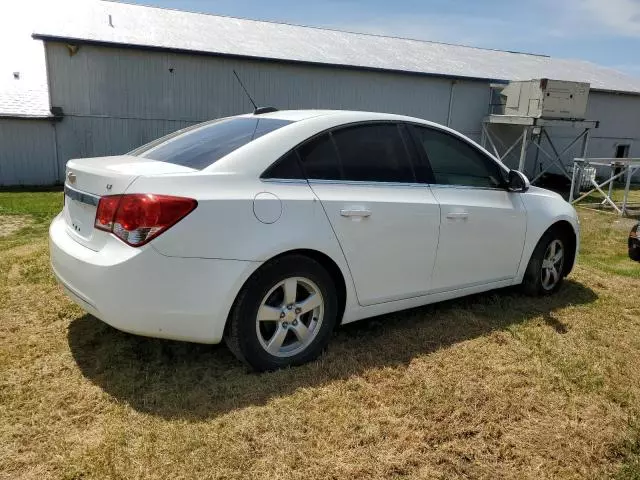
x,y
270,229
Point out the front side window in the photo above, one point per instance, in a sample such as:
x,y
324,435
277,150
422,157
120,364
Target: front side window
x,y
374,153
455,162
200,146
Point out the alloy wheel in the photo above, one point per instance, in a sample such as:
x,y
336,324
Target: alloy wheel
x,y
289,317
552,264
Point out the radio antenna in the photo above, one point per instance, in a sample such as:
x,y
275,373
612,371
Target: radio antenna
x,y
255,107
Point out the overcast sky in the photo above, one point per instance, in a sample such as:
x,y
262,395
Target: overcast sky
x,y
606,32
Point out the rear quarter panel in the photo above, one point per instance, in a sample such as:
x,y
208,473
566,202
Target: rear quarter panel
x,y
225,225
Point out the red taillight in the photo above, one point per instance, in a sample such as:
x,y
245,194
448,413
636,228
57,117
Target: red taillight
x,y
106,211
138,218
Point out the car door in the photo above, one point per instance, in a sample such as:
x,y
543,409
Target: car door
x,y
386,222
482,224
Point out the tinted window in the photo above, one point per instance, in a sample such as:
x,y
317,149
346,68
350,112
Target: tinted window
x,y
319,159
287,167
455,162
374,153
203,145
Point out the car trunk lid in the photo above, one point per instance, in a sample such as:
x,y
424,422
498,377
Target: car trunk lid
x,y
88,179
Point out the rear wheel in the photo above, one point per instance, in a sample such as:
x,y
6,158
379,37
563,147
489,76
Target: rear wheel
x,y
546,268
284,315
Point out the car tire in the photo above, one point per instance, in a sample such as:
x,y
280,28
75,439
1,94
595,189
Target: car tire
x,y
277,323
634,244
539,278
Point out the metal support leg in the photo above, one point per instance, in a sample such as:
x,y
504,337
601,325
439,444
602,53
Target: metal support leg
x,y
573,181
585,142
610,185
483,136
523,150
626,190
536,162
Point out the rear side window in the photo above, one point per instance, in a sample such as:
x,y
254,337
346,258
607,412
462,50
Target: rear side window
x,y
205,144
319,159
288,167
455,162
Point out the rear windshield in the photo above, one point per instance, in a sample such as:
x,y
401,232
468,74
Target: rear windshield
x,y
202,145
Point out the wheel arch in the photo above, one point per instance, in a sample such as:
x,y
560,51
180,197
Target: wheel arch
x,y
569,231
571,235
324,260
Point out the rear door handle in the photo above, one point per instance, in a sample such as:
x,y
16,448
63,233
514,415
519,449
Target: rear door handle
x,y
458,215
355,212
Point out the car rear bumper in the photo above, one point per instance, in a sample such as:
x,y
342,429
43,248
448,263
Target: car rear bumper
x,y
141,291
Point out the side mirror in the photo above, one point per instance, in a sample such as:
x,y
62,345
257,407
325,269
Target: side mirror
x,y
517,182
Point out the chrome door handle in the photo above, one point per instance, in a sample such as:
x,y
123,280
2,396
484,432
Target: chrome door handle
x,y
355,212
458,215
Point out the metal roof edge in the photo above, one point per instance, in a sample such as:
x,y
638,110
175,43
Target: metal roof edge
x,y
615,92
17,116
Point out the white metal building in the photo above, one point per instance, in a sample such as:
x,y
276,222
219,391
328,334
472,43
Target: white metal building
x,y
119,75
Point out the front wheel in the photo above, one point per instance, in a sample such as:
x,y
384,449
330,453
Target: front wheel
x,y
545,271
284,315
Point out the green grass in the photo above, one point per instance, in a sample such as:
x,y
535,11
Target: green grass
x,y
38,208
490,386
604,244
41,205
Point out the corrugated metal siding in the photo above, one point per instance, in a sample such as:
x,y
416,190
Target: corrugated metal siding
x,y
27,152
619,115
134,84
470,105
80,137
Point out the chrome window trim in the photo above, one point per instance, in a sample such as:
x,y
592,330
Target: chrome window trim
x,y
294,181
82,197
365,183
361,183
472,187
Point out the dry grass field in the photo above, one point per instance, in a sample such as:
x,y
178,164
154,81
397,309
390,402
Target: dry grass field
x,y
491,386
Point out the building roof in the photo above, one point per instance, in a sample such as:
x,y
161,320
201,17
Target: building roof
x,y
136,25
24,100
23,74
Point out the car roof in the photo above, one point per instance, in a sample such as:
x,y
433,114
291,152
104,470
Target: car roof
x,y
340,115
254,157
293,115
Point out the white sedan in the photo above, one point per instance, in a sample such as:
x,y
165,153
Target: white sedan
x,y
269,230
